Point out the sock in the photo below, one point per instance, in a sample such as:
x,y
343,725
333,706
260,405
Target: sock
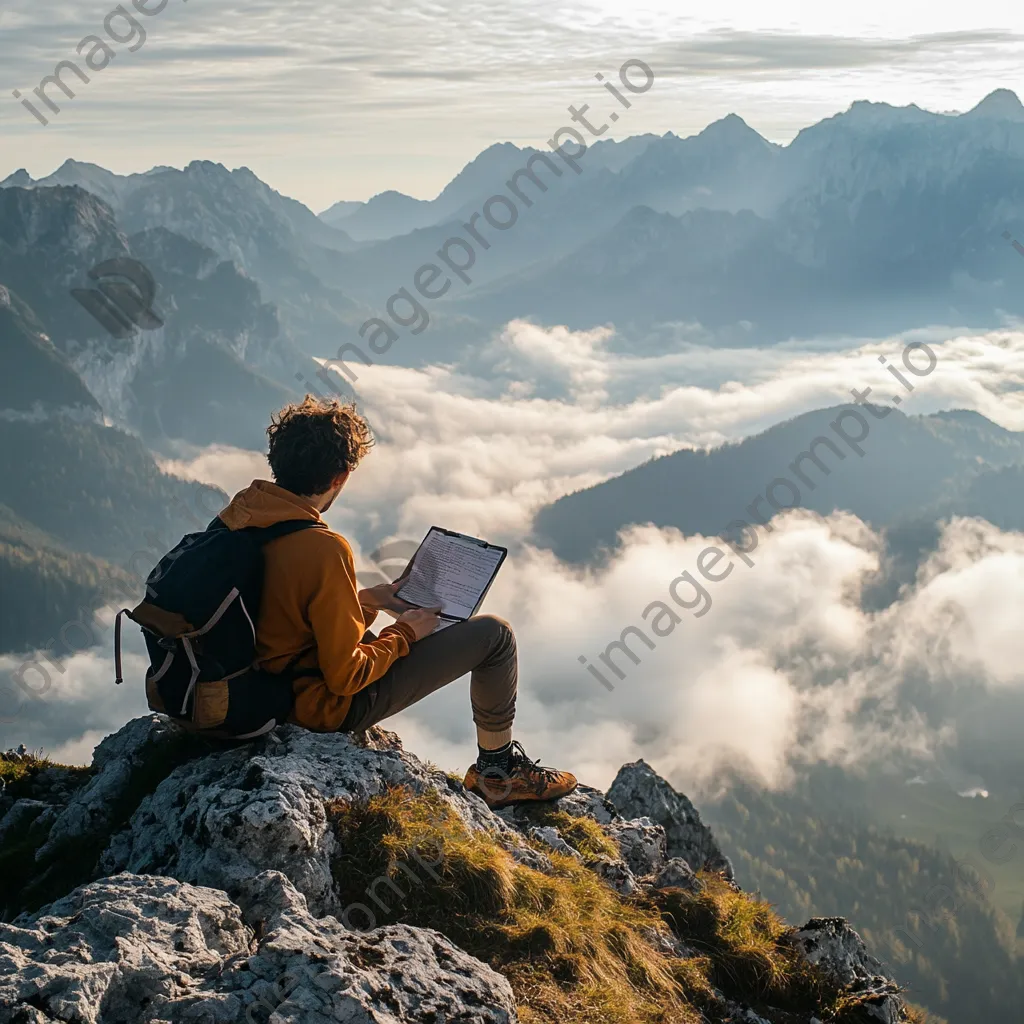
x,y
494,758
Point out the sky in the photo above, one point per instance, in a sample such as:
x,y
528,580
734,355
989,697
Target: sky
x,y
333,101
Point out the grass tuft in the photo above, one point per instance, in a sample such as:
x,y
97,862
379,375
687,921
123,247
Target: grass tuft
x,y
19,771
584,835
917,1015
572,948
741,936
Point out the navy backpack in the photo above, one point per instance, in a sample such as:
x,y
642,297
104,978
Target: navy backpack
x,y
199,622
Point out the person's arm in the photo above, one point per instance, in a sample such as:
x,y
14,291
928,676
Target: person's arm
x,y
339,621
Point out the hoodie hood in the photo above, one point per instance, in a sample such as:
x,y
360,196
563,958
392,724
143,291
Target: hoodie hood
x,y
263,503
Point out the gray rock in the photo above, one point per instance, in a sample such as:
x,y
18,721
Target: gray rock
x,y
638,791
243,922
550,837
616,873
832,945
587,802
131,742
145,949
89,809
744,1015
677,874
25,813
642,844
220,819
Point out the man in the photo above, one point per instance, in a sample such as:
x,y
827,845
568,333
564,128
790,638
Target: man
x,y
313,616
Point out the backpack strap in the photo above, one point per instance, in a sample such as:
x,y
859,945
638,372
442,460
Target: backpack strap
x,y
118,676
281,529
287,526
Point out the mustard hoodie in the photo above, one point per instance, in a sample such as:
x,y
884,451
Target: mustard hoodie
x,y
311,607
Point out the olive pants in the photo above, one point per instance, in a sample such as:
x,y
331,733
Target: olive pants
x,y
483,645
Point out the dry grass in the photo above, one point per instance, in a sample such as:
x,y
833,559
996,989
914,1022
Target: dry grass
x,y
574,950
584,835
751,959
742,937
18,770
916,1015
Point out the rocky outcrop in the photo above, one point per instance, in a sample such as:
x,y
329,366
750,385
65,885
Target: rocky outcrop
x,y
638,791
831,944
141,948
677,874
220,819
116,760
216,893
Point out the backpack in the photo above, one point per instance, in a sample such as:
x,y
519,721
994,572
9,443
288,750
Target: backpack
x,y
198,620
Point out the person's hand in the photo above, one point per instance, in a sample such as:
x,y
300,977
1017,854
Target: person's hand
x,y
423,620
384,597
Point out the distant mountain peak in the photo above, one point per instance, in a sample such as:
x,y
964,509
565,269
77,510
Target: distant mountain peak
x,y
206,167
731,122
499,147
71,164
869,112
20,178
732,129
337,212
1001,105
862,116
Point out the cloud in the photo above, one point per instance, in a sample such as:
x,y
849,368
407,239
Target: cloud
x,y
229,468
777,54
65,708
785,668
535,413
441,75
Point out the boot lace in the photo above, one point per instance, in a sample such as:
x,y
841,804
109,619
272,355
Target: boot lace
x,y
522,763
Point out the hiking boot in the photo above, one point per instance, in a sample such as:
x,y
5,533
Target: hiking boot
x,y
525,781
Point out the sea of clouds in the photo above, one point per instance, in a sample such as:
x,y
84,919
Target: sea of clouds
x,y
786,668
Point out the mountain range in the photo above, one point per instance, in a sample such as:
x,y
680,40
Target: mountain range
x,y
915,470
875,219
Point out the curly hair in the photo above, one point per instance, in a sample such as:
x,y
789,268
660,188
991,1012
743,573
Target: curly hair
x,y
314,440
